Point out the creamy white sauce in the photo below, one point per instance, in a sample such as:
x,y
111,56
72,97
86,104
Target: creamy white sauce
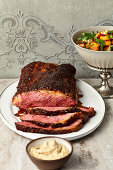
x,y
49,150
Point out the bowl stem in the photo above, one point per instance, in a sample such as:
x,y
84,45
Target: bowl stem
x,y
105,90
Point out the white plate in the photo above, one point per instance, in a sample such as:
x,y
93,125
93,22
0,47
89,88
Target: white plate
x,y
90,98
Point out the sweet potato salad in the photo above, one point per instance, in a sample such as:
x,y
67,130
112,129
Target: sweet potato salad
x,y
100,41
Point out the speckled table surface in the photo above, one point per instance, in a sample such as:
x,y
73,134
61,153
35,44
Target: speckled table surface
x,y
93,152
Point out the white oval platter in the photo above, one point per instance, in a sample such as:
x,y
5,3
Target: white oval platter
x,y
91,98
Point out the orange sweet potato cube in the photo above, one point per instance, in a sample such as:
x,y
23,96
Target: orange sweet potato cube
x,y
107,43
98,35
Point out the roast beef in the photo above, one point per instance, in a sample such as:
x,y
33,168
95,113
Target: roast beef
x,y
46,85
33,128
53,111
48,100
54,121
87,110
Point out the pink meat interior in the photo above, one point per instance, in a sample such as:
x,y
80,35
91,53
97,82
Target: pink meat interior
x,y
43,98
28,124
46,119
52,108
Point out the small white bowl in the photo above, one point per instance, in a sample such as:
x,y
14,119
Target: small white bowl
x,y
98,59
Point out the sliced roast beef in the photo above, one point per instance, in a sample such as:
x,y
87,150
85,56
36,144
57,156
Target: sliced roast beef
x,y
53,121
33,128
51,111
87,110
46,85
48,100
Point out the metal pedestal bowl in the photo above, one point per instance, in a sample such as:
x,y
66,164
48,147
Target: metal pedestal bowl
x,y
104,88
101,61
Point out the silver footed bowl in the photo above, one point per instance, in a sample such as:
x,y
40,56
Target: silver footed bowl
x,y
97,60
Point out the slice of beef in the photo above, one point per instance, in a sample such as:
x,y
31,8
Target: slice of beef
x,y
53,111
48,111
87,110
46,85
30,127
53,121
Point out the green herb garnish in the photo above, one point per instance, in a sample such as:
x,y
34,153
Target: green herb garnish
x,y
87,36
109,48
111,36
111,31
100,42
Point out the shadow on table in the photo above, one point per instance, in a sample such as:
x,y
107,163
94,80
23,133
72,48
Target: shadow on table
x,y
83,162
101,127
82,158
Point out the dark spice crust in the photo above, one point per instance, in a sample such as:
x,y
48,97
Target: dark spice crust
x,y
39,75
48,131
37,111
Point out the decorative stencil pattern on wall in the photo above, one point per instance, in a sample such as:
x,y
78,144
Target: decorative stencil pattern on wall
x,y
24,39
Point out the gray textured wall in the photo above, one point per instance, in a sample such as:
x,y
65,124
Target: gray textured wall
x,y
32,30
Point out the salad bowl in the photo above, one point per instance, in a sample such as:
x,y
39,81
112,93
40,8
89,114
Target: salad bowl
x,y
101,61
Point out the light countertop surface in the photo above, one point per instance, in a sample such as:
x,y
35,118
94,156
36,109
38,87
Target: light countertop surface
x,y
93,152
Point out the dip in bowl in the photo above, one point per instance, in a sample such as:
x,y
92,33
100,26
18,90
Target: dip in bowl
x,y
49,152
